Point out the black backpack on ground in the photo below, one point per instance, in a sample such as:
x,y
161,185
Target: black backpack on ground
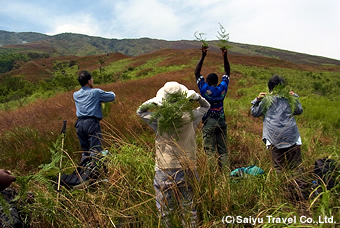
x,y
329,171
86,173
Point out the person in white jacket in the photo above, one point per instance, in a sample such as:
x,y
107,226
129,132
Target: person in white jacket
x,y
176,160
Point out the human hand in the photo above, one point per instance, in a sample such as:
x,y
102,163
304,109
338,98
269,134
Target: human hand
x,y
224,52
153,100
156,101
291,93
261,96
6,178
193,95
204,50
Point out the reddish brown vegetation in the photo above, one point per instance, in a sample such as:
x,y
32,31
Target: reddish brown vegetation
x,y
46,116
43,46
273,62
40,69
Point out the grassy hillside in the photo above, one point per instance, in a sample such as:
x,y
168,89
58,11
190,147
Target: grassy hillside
x,y
30,136
80,45
8,38
151,71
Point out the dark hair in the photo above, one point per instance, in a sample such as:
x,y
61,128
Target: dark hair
x,y
275,81
212,79
84,77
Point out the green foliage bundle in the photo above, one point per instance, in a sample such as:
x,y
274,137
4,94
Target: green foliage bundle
x,y
46,172
223,38
199,37
279,91
170,113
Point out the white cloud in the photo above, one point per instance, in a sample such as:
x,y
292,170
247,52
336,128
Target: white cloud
x,y
308,26
82,24
18,15
149,18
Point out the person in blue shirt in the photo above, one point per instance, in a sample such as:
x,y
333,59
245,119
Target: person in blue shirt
x,y
214,125
89,112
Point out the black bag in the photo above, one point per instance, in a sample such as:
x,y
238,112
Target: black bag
x,y
87,172
328,170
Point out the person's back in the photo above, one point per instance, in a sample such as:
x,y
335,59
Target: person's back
x,y
215,95
279,124
280,131
176,160
175,146
177,150
88,101
89,113
214,125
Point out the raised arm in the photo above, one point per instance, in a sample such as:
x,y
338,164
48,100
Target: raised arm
x,y
298,108
200,63
256,109
146,115
226,62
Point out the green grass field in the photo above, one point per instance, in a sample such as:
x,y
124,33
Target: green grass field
x,y
126,199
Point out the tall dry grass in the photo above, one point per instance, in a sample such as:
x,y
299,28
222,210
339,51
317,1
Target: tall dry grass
x,y
127,198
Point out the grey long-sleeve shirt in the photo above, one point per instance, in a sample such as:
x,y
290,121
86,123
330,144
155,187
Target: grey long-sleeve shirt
x,y
279,125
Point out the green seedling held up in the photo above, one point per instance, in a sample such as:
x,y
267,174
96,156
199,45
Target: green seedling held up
x,y
199,37
223,38
279,91
170,113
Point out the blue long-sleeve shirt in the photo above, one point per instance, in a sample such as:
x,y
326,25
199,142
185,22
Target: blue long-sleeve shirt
x,y
88,101
214,95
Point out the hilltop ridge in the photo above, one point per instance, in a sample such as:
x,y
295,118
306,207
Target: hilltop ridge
x,y
70,44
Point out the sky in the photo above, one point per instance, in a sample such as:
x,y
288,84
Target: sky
x,y
305,26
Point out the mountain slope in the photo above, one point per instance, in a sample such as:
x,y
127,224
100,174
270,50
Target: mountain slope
x,y
249,76
9,38
80,45
44,68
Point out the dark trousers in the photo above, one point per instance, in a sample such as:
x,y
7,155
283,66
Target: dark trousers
x,y
215,140
286,158
89,135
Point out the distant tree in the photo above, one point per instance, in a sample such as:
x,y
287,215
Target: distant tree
x,y
63,81
72,63
14,88
101,63
9,60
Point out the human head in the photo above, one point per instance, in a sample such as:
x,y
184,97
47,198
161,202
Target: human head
x,y
84,77
170,88
212,79
275,81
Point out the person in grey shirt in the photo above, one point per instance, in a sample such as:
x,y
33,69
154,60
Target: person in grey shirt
x,y
89,112
280,132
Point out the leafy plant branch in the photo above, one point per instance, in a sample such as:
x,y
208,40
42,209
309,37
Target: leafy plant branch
x,y
199,37
279,91
170,113
223,38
